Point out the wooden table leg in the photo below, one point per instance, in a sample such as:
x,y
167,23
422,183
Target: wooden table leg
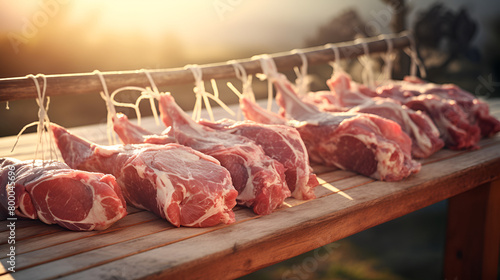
x,y
473,234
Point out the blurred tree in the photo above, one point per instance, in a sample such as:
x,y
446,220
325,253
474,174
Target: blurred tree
x,y
344,27
444,36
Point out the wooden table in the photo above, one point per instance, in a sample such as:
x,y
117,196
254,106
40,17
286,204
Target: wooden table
x,y
143,246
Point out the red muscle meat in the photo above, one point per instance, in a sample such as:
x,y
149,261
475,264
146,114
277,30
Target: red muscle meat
x,y
282,143
364,143
345,95
130,133
460,117
177,183
259,179
56,194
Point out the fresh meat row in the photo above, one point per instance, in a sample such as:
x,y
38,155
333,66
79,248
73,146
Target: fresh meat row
x,y
432,115
194,173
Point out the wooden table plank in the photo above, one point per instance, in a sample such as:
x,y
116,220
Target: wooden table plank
x,y
63,236
142,245
473,233
243,247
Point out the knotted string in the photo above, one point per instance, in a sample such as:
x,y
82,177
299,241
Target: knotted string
x,y
246,81
415,60
270,72
367,73
302,81
155,93
43,123
336,63
201,93
388,59
110,108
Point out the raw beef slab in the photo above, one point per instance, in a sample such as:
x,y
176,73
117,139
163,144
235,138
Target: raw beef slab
x,y
460,117
56,194
177,183
476,110
130,133
282,143
367,144
345,95
259,179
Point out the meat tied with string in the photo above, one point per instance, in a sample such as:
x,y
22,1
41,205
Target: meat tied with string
x,y
259,179
175,182
56,194
364,143
461,118
282,143
346,96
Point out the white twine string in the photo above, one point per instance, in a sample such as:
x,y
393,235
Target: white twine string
x,y
337,68
150,93
415,61
155,93
388,59
336,63
201,93
367,73
43,123
270,72
144,94
246,81
302,81
110,108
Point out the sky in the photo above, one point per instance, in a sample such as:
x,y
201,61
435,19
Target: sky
x,y
206,27
69,36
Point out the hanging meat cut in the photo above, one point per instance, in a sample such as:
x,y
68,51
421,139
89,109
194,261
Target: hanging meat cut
x,y
259,179
175,182
130,133
56,194
460,117
282,143
345,95
279,142
453,124
364,143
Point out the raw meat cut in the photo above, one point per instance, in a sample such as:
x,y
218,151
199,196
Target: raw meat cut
x,y
364,143
459,129
282,143
175,182
345,95
476,110
259,179
252,111
130,133
56,194
453,124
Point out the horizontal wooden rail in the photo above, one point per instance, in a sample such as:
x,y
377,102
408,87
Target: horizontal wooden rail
x,y
83,83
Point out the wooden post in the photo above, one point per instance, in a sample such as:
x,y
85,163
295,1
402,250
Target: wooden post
x,y
473,234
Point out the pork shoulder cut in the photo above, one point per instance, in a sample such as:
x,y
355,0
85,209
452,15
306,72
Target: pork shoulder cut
x,y
175,182
56,194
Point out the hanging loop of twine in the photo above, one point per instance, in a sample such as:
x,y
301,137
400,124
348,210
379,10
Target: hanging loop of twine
x,y
43,123
302,81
